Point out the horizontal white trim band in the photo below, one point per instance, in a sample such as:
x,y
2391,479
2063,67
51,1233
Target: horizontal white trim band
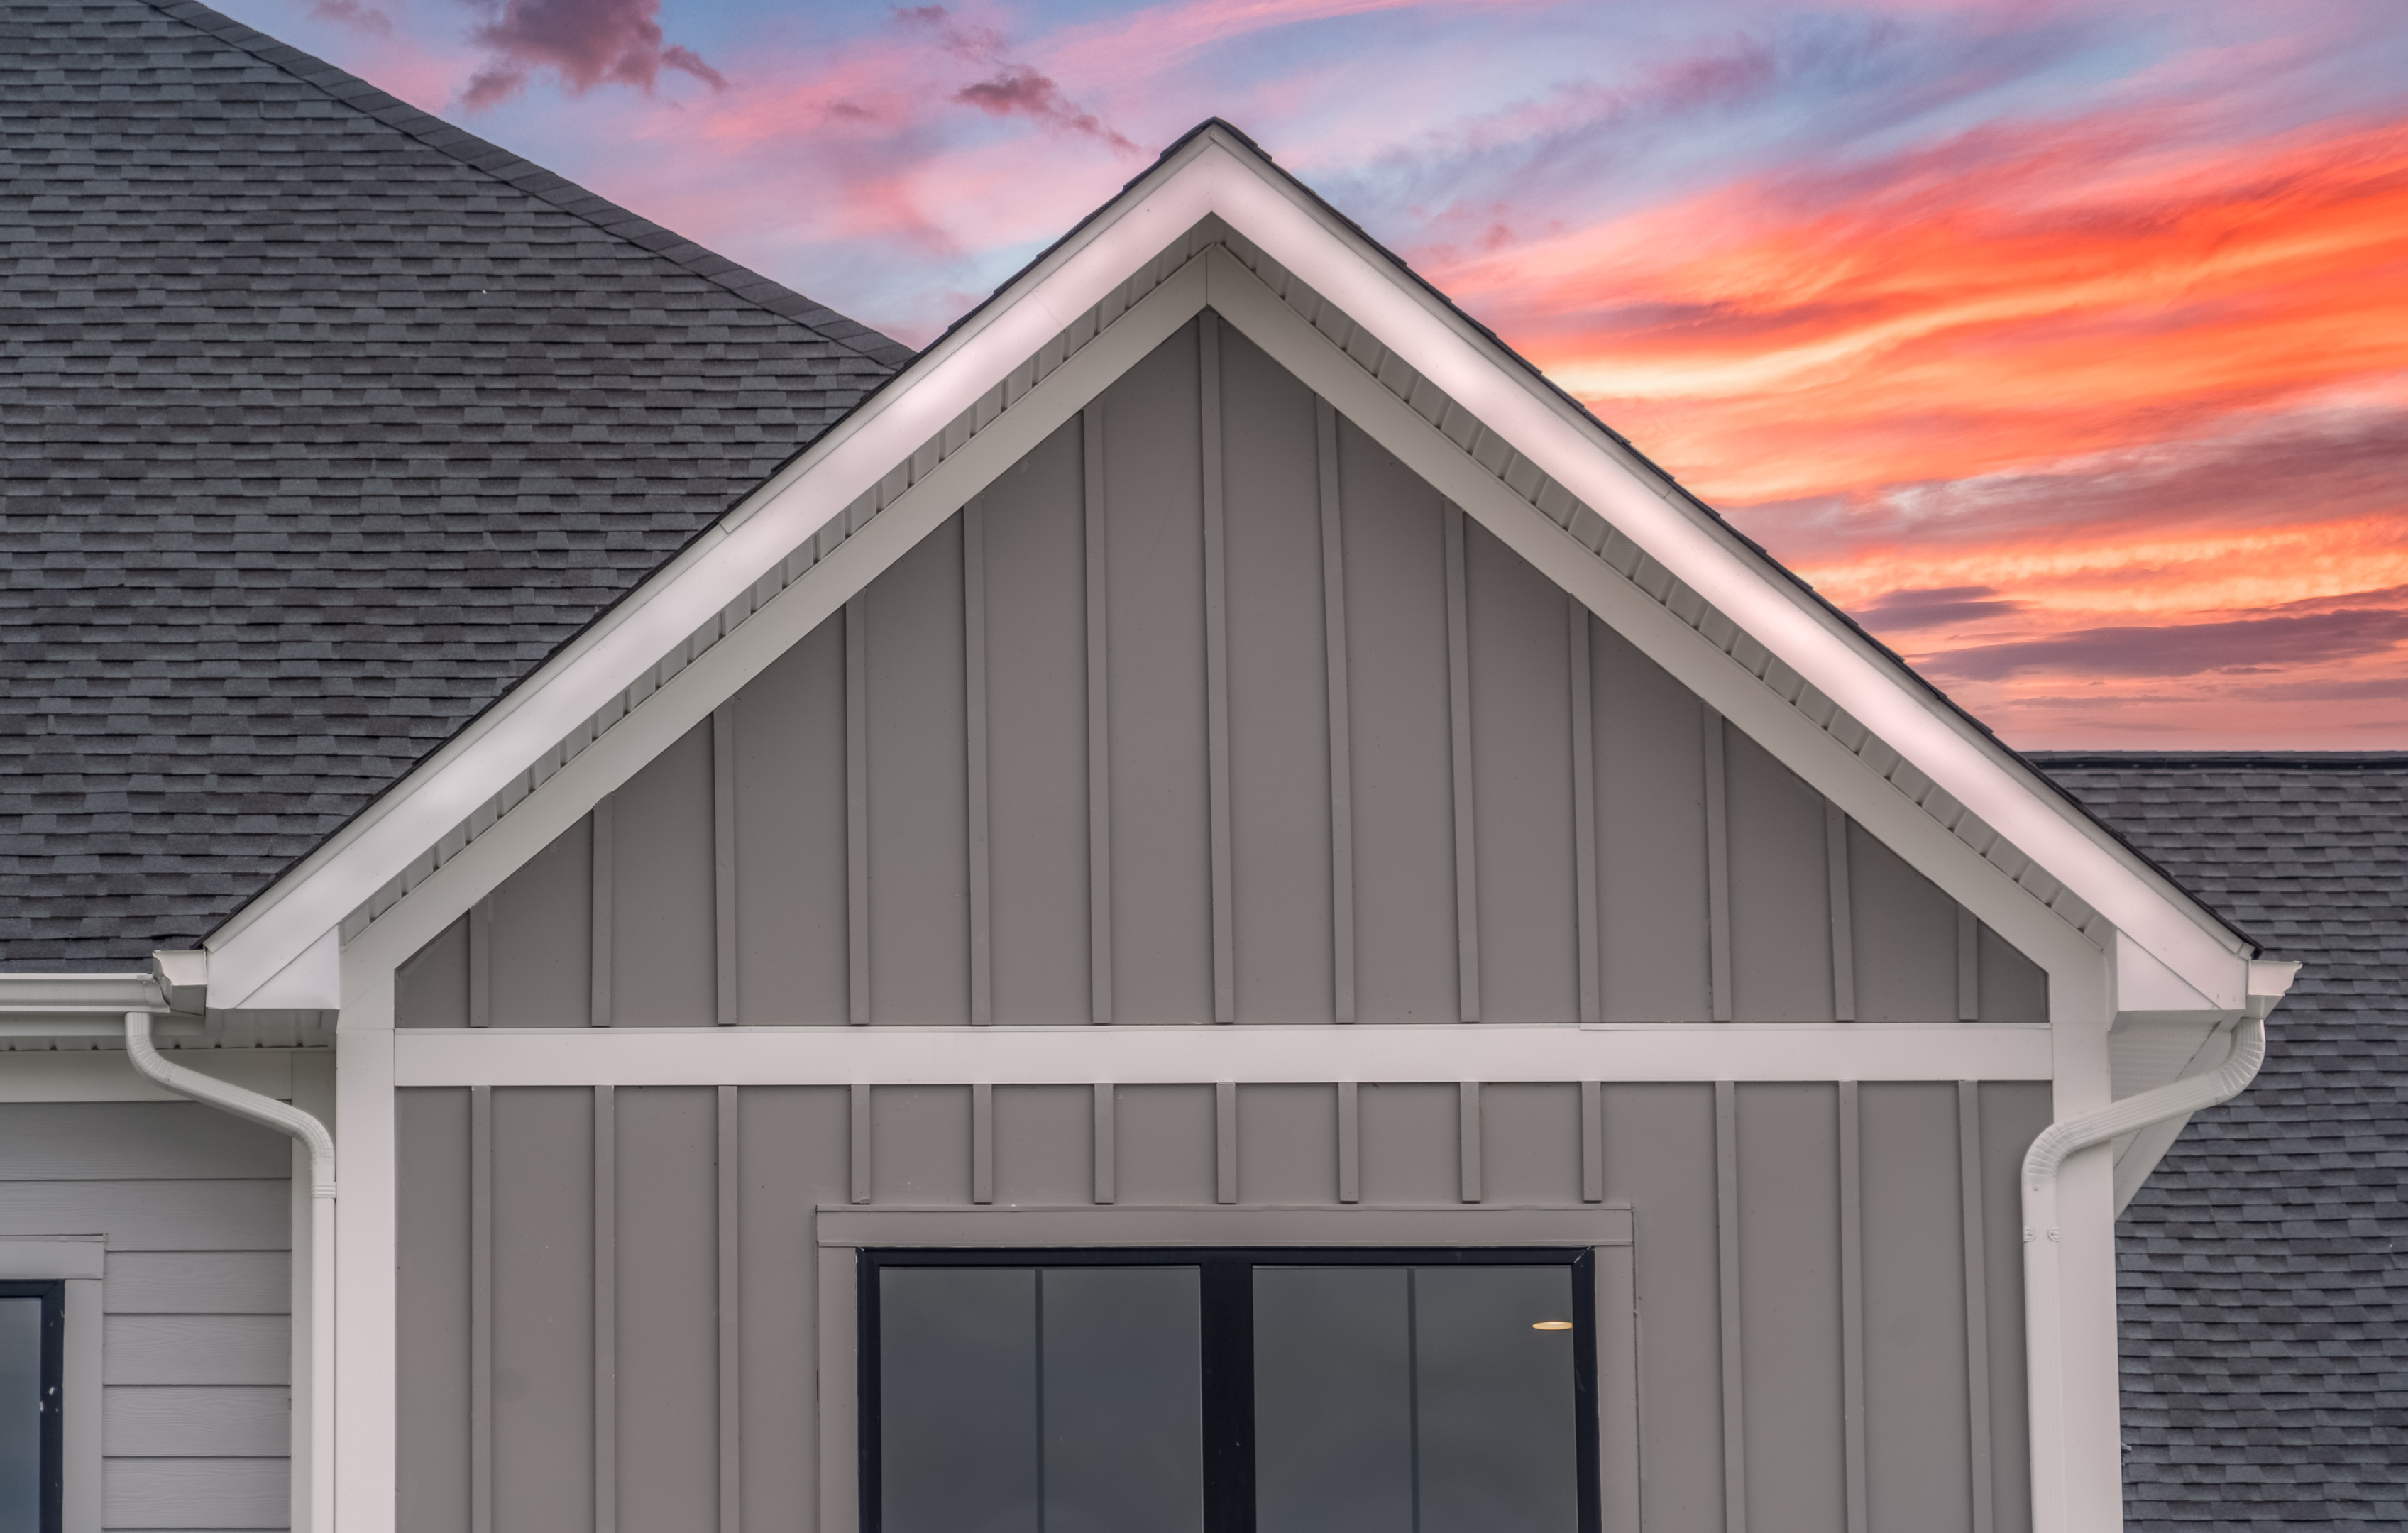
x,y
744,1056
1600,1225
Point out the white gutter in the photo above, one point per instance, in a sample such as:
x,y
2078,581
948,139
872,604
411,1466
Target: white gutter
x,y
2043,1326
313,1471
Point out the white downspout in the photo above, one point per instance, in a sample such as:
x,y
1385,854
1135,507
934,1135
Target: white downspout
x,y
2043,1321
315,1475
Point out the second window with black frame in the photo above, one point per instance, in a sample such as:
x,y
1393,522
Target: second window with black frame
x,y
1253,1391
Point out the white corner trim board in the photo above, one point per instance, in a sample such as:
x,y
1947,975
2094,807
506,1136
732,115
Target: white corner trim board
x,y
1130,1055
1214,174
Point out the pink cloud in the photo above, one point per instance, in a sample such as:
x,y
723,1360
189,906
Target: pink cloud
x,y
586,43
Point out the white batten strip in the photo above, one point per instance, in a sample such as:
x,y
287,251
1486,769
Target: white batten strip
x,y
1239,1054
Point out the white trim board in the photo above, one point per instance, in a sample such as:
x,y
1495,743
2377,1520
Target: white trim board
x,y
80,1263
105,1075
1130,1055
1214,175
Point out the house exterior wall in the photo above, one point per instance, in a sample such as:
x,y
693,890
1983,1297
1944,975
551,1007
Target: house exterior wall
x,y
1807,1257
1208,709
195,1210
1292,741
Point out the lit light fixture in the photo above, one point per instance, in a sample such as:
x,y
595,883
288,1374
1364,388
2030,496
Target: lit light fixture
x,y
1551,1325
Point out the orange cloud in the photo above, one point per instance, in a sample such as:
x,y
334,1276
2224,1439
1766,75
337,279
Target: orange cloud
x,y
2078,419
2011,298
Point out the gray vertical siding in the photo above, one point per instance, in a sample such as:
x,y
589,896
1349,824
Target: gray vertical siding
x,y
1768,1219
196,1331
1185,741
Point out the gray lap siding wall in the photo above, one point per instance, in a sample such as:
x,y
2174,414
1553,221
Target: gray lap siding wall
x,y
671,1254
196,1210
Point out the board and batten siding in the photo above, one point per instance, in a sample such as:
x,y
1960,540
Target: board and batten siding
x,y
1208,709
196,1210
609,1296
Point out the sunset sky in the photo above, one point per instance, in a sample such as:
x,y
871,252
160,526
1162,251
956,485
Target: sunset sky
x,y
2065,345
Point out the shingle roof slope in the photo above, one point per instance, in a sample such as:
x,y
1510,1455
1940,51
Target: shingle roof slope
x,y
2263,1269
324,422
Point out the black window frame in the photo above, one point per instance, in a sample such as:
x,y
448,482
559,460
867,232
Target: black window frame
x,y
1226,1279
52,1292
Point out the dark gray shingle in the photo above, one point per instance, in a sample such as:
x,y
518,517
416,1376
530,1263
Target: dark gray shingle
x,y
2263,1269
324,422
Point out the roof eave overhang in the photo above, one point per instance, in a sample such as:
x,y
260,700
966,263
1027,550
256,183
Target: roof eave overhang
x,y
282,949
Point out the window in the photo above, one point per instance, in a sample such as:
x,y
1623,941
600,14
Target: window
x,y
1260,1391
33,1334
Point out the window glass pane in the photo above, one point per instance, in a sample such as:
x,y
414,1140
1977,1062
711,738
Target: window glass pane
x,y
1333,1414
1003,1389
957,1399
1495,1397
1391,1399
20,1413
1124,1400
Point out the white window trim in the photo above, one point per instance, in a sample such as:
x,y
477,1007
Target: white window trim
x,y
80,1262
840,1232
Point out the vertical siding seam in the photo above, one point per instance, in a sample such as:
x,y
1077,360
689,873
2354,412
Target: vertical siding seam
x,y
1977,1334
1341,737
481,1309
1466,1128
975,764
1224,1141
1216,663
480,963
1107,1155
1844,913
982,1142
606,1309
602,904
1727,1272
723,828
1458,692
857,810
1851,1310
1584,807
1969,965
1592,1141
1350,1144
731,1313
1099,739
1718,920
858,1125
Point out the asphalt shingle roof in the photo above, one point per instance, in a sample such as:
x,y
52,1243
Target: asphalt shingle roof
x,y
324,422
2263,1269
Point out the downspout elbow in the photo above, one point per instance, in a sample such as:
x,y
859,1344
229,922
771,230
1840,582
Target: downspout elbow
x,y
265,1110
2191,1093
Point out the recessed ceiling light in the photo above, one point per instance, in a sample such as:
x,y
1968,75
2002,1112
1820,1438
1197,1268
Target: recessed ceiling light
x,y
1551,1325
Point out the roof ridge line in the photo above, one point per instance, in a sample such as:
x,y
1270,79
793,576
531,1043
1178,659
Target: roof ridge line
x,y
524,175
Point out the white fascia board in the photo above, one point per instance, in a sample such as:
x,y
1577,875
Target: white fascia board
x,y
1130,1055
287,919
1337,264
1210,176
